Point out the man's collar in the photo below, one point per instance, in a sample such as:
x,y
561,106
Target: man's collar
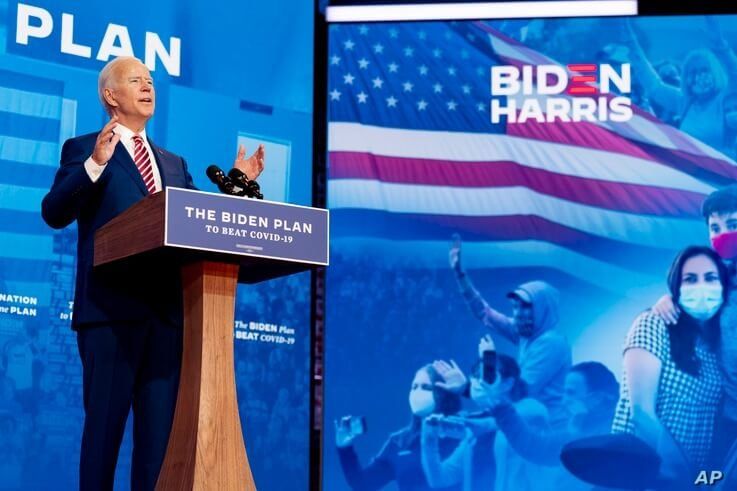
x,y
126,133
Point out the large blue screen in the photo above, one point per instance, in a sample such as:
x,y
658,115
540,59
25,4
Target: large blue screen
x,y
575,152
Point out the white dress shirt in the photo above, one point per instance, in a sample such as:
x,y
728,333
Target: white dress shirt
x,y
126,138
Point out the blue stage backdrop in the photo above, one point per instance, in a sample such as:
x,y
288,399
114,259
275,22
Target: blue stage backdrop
x,y
591,184
225,73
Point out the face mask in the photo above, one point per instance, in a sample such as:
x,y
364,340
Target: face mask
x,y
525,323
576,407
730,119
421,402
701,301
726,245
477,392
525,329
485,395
703,83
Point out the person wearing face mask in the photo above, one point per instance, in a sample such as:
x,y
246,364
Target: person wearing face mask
x,y
511,471
591,393
671,385
670,73
543,354
707,75
616,54
720,213
729,105
399,459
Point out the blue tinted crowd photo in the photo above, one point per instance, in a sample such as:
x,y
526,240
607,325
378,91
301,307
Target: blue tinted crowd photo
x,y
524,408
537,421
693,90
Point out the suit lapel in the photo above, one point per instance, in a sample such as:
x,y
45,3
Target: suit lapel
x,y
123,158
161,161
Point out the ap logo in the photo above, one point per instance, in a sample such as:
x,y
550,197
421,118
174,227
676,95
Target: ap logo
x,y
709,478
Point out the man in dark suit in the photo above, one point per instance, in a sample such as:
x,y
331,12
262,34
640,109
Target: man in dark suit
x,y
128,320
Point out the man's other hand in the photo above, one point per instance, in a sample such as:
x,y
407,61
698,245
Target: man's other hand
x,y
486,344
454,255
253,165
344,434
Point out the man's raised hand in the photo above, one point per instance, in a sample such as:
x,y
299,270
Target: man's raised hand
x,y
453,378
106,141
486,344
454,255
251,166
344,434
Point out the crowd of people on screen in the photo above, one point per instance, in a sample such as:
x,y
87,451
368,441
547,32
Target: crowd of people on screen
x,y
691,89
505,424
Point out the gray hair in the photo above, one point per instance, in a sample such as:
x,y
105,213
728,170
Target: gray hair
x,y
103,81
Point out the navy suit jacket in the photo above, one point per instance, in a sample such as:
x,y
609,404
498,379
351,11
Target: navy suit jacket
x,y
139,290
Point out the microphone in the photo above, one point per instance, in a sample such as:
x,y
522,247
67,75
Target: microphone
x,y
251,188
218,177
238,176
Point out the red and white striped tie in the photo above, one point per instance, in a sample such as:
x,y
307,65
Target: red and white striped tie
x,y
143,162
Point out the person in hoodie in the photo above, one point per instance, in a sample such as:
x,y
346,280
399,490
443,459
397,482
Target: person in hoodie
x,y
399,460
544,355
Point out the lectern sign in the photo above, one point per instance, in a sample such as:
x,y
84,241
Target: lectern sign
x,y
254,241
235,225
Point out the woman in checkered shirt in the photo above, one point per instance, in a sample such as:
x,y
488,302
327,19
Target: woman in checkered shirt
x,y
671,384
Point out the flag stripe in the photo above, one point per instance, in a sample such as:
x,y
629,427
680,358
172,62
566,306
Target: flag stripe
x,y
26,175
580,134
21,198
406,226
26,246
31,83
636,128
30,270
29,151
30,103
589,135
473,147
32,127
631,198
641,129
23,222
442,200
514,52
714,171
31,112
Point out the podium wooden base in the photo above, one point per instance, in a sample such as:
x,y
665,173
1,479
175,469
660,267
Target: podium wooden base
x,y
206,449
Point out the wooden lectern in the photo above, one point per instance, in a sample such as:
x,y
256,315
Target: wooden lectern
x,y
206,449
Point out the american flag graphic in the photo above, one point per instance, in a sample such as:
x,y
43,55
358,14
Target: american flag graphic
x,y
414,158
35,119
